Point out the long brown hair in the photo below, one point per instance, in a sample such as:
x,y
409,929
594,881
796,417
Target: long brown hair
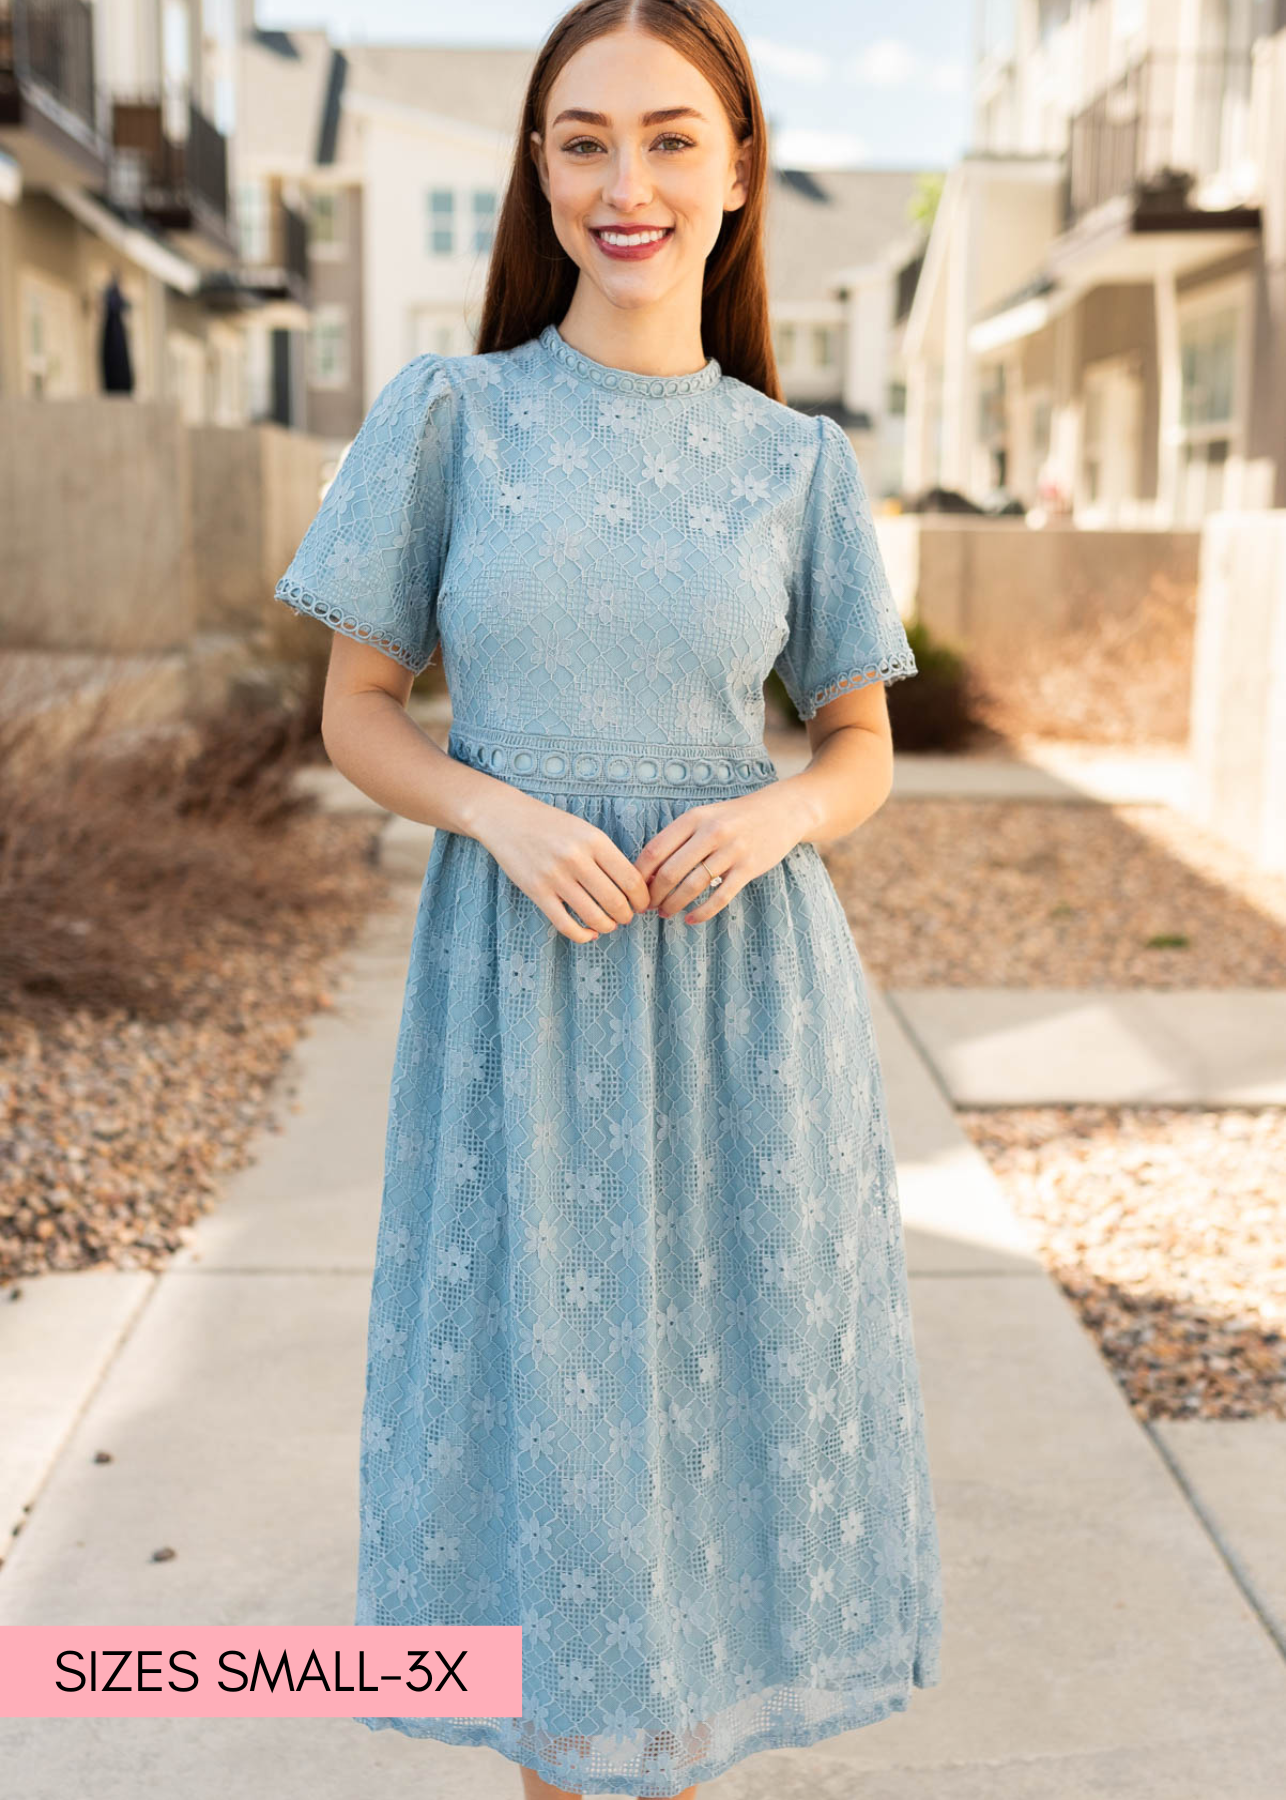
x,y
531,278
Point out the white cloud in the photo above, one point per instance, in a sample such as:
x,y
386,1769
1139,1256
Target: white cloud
x,y
800,148
888,63
791,61
947,77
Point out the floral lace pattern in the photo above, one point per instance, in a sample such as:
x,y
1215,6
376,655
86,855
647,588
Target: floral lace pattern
x,y
640,1369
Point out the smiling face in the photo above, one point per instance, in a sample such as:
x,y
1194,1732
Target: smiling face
x,y
639,164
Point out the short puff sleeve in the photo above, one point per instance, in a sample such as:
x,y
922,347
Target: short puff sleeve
x,y
370,562
844,628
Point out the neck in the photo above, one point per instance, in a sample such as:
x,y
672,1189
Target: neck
x,y
663,339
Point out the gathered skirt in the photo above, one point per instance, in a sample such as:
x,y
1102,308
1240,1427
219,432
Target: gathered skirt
x,y
640,1369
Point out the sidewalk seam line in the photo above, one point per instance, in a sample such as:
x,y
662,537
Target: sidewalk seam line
x,y
1230,1560
921,1049
32,1500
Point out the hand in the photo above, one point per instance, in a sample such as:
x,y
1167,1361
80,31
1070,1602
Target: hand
x,y
561,860
738,839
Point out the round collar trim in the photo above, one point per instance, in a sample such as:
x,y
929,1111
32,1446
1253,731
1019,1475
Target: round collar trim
x,y
627,381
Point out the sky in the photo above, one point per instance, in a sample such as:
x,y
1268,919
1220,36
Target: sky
x,y
844,82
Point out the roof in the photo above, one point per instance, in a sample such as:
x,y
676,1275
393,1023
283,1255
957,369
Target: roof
x,y
821,221
282,77
484,86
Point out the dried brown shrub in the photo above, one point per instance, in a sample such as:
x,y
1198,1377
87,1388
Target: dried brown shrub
x,y
1108,679
169,907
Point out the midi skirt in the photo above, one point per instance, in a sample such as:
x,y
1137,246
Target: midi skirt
x,y
640,1370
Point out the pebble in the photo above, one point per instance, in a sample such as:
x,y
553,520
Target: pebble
x,y
1165,1227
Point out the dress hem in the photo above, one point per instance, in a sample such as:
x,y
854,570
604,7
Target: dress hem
x,y
925,1673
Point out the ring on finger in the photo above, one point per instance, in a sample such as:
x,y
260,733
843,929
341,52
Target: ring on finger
x,y
712,881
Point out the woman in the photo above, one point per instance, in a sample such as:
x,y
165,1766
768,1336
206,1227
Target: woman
x,y
640,1370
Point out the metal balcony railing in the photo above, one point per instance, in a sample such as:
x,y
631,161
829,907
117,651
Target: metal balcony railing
x,y
295,240
51,43
170,161
1168,121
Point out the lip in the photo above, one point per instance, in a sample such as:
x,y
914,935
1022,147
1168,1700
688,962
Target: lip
x,y
631,252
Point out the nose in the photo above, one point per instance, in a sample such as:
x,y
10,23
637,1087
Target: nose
x,y
628,185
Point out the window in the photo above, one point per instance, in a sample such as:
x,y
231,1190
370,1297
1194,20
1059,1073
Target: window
x,y
252,221
484,218
1208,352
1210,413
785,344
326,223
821,346
992,417
1051,14
49,337
441,222
895,404
328,347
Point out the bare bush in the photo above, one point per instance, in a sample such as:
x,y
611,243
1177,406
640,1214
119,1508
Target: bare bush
x,y
169,904
1120,679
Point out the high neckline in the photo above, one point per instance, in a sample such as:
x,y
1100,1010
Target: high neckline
x,y
625,380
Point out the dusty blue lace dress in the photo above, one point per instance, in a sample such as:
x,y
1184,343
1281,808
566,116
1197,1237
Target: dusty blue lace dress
x,y
640,1370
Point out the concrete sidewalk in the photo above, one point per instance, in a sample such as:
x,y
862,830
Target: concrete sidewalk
x,y
1111,1622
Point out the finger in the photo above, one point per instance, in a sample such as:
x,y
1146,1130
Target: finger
x,y
599,882
569,927
725,891
695,882
673,871
670,838
628,879
577,896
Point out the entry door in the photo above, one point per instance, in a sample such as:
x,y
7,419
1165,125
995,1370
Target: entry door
x,y
1112,439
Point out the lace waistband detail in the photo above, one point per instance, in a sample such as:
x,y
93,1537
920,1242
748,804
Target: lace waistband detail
x,y
574,765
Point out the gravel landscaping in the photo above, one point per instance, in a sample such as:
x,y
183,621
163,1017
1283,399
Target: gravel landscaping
x,y
172,904
1165,1226
1003,893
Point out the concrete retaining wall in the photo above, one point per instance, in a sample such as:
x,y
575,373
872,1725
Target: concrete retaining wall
x,y
95,525
981,583
254,490
125,530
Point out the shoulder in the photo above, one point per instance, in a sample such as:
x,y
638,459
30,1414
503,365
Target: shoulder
x,y
447,384
783,432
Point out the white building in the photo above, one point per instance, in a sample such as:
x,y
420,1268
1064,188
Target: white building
x,y
838,242
1100,326
399,154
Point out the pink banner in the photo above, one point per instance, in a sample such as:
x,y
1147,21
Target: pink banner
x,y
260,1671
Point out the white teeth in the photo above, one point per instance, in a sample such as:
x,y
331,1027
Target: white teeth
x,y
631,237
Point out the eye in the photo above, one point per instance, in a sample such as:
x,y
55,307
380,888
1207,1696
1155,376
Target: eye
x,y
669,137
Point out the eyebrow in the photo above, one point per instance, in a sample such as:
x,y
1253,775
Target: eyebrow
x,y
583,117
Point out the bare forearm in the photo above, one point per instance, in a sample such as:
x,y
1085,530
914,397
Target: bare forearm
x,y
847,781
372,740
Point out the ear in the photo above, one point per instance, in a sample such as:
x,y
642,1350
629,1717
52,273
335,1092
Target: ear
x,y
739,186
537,147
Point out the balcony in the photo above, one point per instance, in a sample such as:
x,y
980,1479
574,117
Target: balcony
x,y
47,95
1168,124
170,164
274,261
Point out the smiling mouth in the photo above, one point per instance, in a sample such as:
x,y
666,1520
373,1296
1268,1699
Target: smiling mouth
x,y
632,234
